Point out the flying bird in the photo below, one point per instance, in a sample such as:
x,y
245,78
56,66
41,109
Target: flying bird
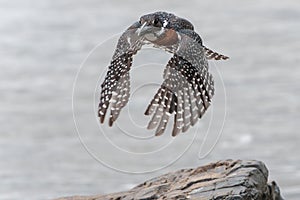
x,y
188,87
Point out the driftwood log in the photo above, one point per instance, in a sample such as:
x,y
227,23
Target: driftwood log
x,y
230,180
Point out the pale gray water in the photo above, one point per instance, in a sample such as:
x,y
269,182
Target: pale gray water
x,y
43,43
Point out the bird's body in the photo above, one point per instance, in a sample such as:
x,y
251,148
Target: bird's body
x,y
188,86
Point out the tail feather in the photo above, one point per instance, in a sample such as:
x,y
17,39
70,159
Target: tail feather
x,y
214,55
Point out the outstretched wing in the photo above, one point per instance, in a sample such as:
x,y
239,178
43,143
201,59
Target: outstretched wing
x,y
115,89
187,89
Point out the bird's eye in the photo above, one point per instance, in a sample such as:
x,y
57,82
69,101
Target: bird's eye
x,y
156,22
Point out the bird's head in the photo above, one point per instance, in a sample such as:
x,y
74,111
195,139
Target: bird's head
x,y
153,25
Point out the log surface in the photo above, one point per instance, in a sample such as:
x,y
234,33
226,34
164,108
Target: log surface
x,y
230,180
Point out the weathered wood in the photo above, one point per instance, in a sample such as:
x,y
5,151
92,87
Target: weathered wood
x,y
230,180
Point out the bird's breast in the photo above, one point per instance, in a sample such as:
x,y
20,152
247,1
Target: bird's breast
x,y
168,38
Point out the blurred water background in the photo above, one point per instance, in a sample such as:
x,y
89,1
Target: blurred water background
x,y
43,44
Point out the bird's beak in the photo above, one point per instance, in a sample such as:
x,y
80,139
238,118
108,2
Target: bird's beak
x,y
143,29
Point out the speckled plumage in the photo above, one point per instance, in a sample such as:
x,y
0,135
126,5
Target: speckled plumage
x,y
188,87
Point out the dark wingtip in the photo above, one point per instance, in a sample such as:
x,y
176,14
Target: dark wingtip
x,y
101,119
175,131
185,128
147,111
159,133
111,121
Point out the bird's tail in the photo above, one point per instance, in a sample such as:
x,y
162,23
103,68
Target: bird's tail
x,y
210,54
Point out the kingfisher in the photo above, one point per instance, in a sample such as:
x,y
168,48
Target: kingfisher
x,y
188,87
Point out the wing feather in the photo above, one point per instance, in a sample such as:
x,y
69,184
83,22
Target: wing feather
x,y
188,83
115,89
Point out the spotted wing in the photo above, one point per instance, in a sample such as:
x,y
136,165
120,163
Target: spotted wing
x,y
187,89
115,89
